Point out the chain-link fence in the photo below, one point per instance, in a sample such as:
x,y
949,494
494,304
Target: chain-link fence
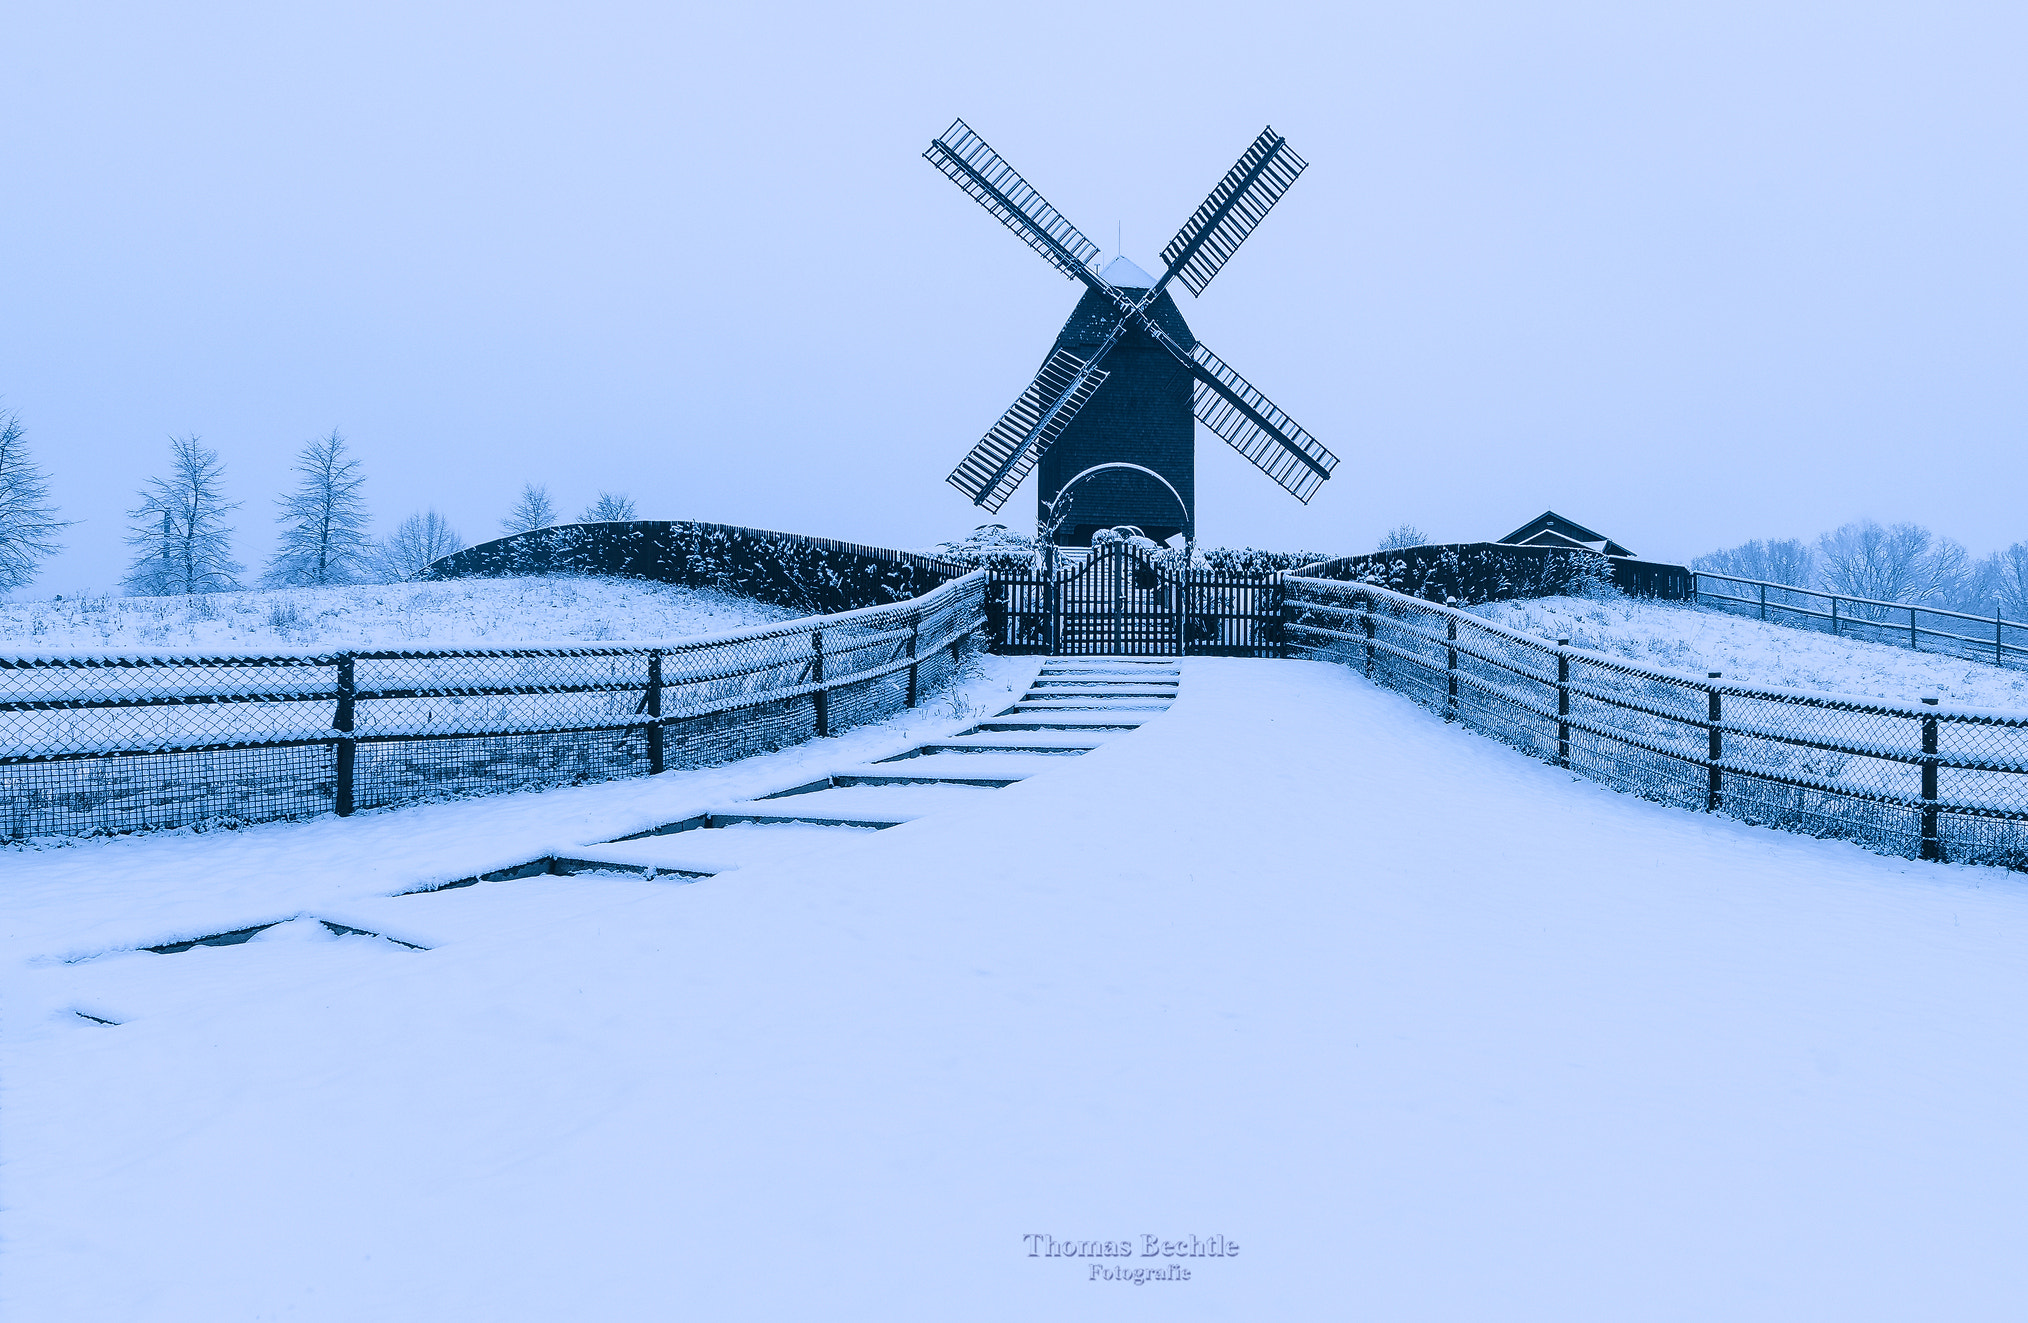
x,y
1902,779
119,743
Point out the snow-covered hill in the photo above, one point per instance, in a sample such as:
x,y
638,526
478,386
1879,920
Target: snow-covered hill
x,y
1426,1028
457,613
1680,637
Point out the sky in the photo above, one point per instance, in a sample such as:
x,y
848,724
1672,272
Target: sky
x,y
1685,274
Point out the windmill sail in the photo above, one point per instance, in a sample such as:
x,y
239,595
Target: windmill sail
x,y
1251,424
996,186
1239,203
1006,454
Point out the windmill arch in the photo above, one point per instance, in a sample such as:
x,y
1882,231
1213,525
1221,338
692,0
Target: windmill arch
x,y
1183,506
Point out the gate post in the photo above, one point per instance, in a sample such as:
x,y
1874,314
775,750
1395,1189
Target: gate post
x,y
654,704
1367,621
1052,605
347,748
1119,598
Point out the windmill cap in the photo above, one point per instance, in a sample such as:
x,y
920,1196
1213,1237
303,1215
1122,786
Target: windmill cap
x,y
1122,274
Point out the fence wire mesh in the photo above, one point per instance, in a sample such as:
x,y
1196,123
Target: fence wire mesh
x,y
120,743
1900,779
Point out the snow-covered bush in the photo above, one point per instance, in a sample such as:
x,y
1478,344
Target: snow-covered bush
x,y
1463,573
989,546
812,576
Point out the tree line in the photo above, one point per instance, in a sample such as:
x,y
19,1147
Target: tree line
x,y
182,534
1886,563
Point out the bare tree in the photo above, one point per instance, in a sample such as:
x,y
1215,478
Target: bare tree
x,y
323,521
419,541
1402,535
182,543
1999,583
534,510
1777,560
609,508
28,522
1901,563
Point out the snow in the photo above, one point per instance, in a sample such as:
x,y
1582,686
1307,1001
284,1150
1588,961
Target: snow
x,y
1121,273
1429,1030
452,613
1678,637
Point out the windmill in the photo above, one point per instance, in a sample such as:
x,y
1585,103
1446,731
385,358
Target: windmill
x,y
1113,410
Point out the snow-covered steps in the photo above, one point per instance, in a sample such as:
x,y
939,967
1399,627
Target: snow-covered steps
x,y
852,805
1101,689
239,936
707,851
940,770
1057,703
1045,742
1090,722
1071,708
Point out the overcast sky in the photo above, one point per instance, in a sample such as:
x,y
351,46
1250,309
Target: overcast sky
x,y
1687,274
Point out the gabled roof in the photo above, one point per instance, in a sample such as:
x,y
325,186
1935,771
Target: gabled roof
x,y
1123,273
1550,529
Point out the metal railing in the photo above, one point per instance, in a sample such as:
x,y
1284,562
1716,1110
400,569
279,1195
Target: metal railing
x,y
99,743
1991,638
1906,779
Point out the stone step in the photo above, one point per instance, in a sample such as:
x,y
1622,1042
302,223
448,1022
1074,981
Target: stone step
x,y
970,768
1022,722
1038,744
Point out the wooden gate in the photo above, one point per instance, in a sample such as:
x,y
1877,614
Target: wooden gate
x,y
1122,603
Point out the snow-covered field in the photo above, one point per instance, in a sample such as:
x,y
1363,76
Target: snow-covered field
x,y
1427,1029
478,613
1680,637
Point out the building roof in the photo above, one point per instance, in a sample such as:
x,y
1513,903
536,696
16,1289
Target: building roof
x,y
1550,529
1123,274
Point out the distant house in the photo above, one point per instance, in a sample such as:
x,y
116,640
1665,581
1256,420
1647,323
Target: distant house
x,y
1550,529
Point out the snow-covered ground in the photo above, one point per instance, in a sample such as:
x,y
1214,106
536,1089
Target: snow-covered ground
x,y
454,613
1680,637
1427,1029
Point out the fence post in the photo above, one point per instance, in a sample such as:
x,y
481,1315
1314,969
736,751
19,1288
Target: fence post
x,y
1996,636
1367,621
914,632
1716,748
1451,666
1932,843
347,748
1911,630
1763,601
654,697
822,697
1834,615
1562,703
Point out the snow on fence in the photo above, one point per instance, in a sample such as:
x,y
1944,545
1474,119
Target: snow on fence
x,y
122,742
1911,780
1923,628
